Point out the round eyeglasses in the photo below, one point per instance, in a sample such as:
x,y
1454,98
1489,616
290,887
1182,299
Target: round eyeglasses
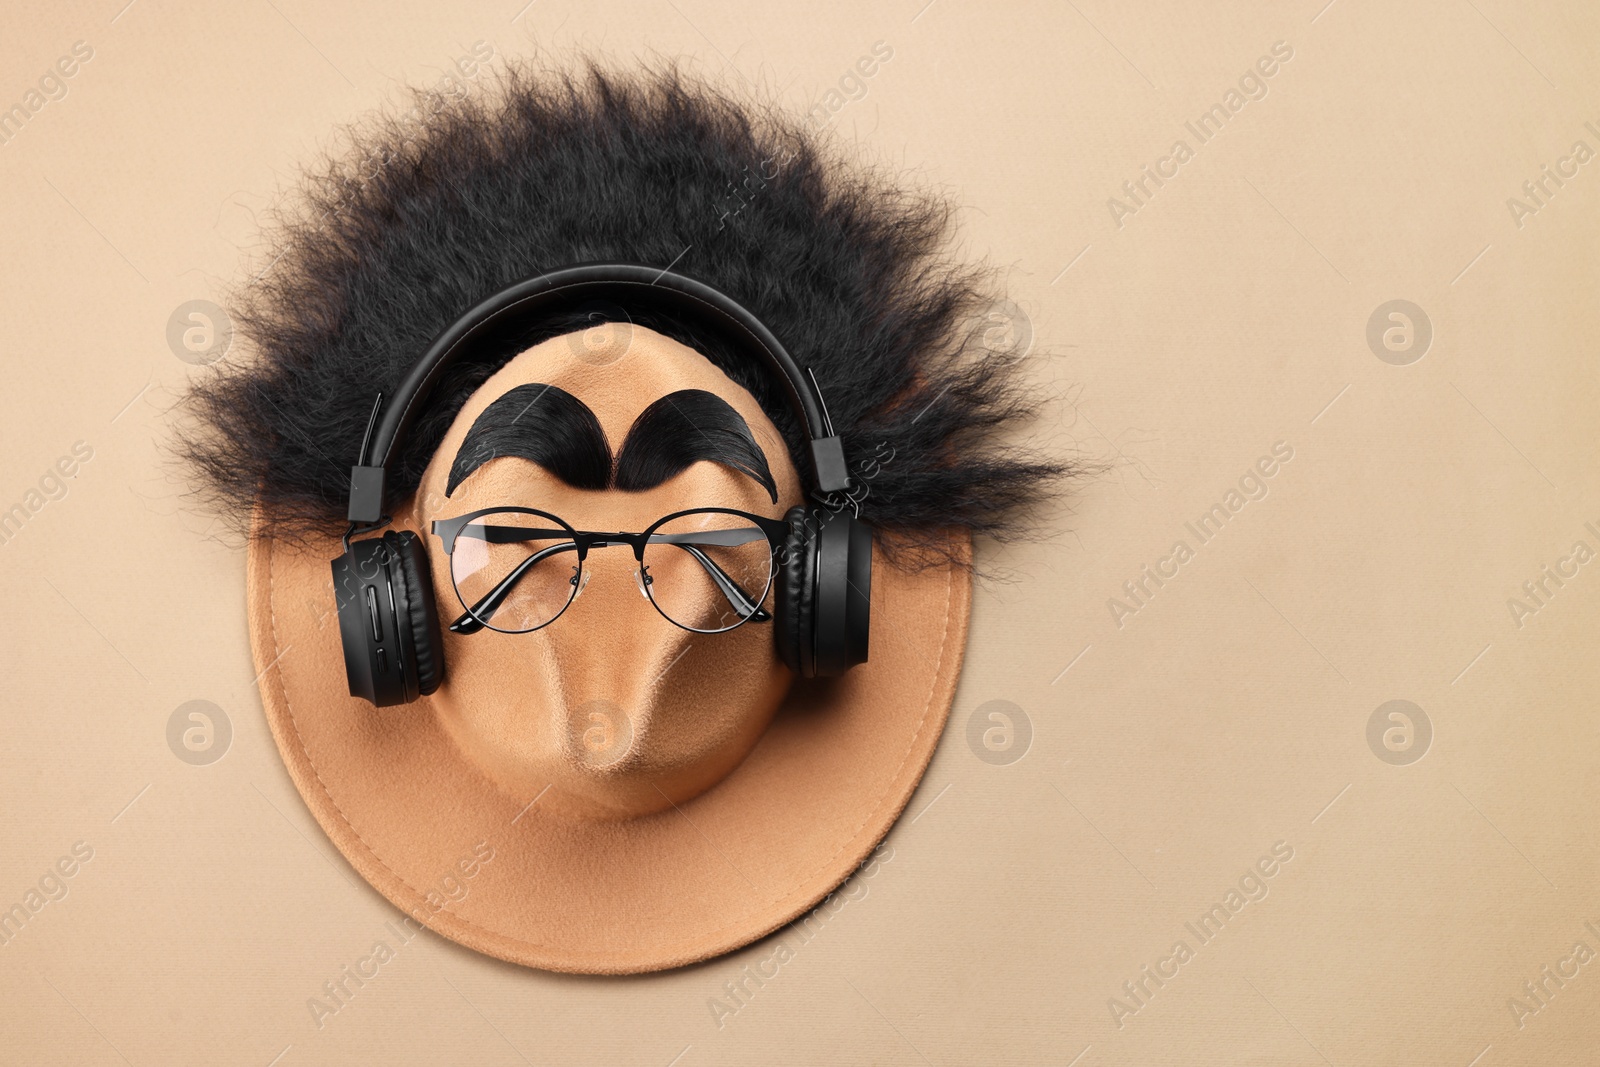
x,y
515,569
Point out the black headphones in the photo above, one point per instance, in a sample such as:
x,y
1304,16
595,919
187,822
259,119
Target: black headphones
x,y
383,587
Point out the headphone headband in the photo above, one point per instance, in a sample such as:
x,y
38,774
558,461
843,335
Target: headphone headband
x,y
640,286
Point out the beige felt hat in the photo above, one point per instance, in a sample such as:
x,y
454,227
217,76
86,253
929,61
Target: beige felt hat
x,y
610,794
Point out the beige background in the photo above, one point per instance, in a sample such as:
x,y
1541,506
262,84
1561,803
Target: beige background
x,y
1168,754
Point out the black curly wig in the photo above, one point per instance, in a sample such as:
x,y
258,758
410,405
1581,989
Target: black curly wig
x,y
431,214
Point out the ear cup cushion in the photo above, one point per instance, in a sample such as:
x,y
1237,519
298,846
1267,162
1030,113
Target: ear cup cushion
x,y
422,617
793,629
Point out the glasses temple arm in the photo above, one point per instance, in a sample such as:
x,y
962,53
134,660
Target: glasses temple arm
x,y
477,616
730,538
742,601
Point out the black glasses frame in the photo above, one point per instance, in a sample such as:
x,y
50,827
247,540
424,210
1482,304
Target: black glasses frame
x,y
475,616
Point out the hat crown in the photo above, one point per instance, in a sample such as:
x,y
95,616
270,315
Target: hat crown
x,y
610,711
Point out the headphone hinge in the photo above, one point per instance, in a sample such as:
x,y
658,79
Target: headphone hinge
x,y
366,493
827,457
363,528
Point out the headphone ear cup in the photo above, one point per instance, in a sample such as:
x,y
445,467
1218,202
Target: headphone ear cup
x,y
793,608
417,615
363,595
841,606
388,625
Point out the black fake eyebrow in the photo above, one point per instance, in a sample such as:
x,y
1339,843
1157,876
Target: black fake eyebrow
x,y
681,429
542,423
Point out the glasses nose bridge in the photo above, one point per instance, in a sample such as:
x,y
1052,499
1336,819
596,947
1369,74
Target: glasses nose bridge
x,y
613,539
635,541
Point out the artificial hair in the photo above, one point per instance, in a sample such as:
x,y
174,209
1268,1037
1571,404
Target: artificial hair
x,y
540,169
544,424
682,428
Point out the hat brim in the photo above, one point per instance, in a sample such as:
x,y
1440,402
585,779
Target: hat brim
x,y
416,818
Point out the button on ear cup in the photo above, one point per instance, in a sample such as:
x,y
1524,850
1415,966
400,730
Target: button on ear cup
x,y
793,629
416,609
